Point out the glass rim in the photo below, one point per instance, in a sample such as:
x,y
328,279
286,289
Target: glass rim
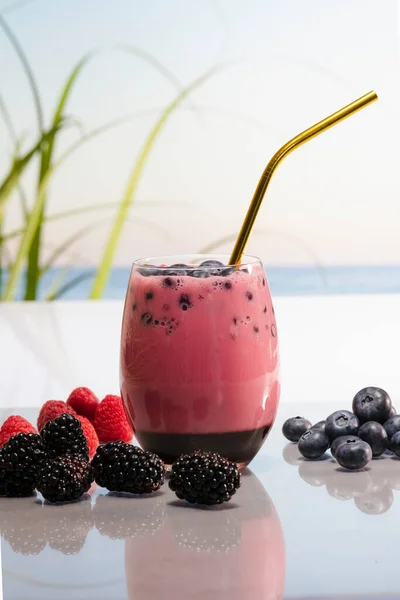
x,y
151,261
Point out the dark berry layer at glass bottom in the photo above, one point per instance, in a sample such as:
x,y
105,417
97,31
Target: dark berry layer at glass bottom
x,y
238,446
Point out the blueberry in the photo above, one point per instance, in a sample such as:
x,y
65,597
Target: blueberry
x,y
199,273
342,439
227,271
375,435
354,456
213,263
320,425
372,404
394,443
170,282
178,269
294,428
313,443
185,302
392,426
149,270
393,412
146,319
341,422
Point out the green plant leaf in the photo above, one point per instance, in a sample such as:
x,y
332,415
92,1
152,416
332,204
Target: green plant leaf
x,y
33,270
28,71
81,233
72,212
57,283
19,164
103,271
151,60
55,295
15,6
26,238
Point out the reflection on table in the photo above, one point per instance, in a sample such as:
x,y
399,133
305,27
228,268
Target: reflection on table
x,y
371,488
170,549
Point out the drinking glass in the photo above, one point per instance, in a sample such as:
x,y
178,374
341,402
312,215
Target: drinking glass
x,y
199,363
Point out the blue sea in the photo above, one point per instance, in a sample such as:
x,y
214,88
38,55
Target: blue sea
x,y
283,281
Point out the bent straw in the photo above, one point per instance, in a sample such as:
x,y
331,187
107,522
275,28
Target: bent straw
x,y
291,145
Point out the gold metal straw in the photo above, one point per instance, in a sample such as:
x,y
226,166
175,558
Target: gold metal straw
x,y
294,143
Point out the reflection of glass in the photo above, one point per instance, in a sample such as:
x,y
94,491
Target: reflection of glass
x,y
235,552
371,488
199,357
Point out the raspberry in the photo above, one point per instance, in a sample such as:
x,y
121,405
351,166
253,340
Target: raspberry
x,y
13,425
51,410
110,421
84,402
90,435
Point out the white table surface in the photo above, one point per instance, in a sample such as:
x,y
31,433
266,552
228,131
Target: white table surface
x,y
340,530
330,346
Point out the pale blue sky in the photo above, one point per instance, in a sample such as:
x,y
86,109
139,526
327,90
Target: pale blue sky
x,y
335,200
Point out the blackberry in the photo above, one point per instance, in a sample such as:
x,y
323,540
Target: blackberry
x,y
64,435
121,467
64,479
20,460
204,478
2,475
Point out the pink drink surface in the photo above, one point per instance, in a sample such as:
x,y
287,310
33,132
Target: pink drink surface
x,y
199,356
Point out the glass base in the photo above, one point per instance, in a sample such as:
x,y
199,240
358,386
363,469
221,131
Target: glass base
x,y
237,446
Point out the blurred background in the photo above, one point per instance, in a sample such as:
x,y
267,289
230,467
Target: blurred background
x,y
131,129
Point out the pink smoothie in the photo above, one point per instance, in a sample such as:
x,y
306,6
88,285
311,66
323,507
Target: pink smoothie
x,y
199,356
